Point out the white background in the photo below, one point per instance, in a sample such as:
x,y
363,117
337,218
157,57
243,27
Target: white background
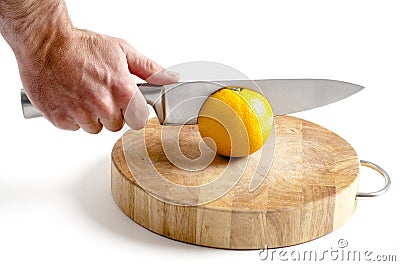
x,y
55,202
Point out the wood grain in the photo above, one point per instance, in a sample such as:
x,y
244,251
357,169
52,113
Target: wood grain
x,y
308,192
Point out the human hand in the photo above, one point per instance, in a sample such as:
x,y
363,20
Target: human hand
x,y
87,81
81,79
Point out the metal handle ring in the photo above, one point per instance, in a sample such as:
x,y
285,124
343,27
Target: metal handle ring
x,y
380,170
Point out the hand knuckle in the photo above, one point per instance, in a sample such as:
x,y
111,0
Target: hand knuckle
x,y
62,122
94,128
114,127
81,115
150,65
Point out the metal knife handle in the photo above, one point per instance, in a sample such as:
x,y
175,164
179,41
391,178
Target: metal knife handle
x,y
28,110
151,93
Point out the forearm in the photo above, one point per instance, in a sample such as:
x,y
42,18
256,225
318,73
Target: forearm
x,y
31,26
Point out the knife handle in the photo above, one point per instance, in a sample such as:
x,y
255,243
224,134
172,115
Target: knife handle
x,y
151,93
28,110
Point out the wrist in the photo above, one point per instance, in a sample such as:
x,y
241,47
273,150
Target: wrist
x,y
33,27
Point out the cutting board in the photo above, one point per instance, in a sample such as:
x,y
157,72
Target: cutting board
x,y
309,190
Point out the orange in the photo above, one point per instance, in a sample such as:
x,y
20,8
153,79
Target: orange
x,y
235,121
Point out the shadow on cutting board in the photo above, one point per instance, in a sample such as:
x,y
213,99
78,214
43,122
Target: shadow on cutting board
x,y
94,195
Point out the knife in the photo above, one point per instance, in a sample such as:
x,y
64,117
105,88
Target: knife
x,y
180,103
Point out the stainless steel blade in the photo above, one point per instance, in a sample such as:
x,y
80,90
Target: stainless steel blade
x,y
296,95
180,103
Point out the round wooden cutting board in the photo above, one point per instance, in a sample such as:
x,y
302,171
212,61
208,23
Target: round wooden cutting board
x,y
309,191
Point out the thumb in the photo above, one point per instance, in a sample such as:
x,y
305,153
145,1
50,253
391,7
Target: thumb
x,y
147,69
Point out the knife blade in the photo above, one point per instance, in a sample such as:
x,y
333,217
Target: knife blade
x,y
180,103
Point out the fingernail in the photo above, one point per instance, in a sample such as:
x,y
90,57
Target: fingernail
x,y
136,113
164,77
